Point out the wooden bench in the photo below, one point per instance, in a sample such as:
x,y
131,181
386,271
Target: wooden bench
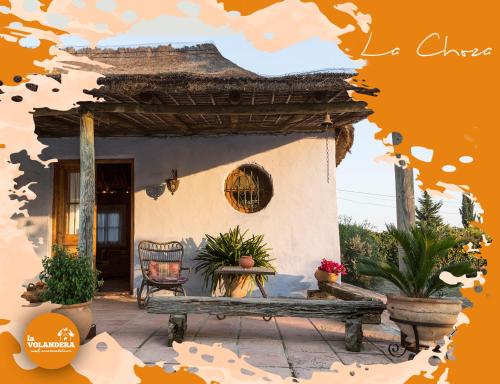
x,y
349,292
352,312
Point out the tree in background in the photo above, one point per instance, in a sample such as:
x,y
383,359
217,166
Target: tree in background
x,y
360,240
427,213
356,240
467,210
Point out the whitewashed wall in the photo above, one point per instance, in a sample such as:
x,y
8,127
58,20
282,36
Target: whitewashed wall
x,y
299,224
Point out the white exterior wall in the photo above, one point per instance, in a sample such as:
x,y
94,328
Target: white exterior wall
x,y
299,224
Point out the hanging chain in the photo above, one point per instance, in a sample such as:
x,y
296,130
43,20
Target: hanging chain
x,y
327,137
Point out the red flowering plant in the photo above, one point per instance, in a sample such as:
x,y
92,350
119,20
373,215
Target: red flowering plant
x,y
330,266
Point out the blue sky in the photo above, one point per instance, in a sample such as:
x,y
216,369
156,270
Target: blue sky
x,y
365,189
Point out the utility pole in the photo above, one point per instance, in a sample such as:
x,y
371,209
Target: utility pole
x,y
405,195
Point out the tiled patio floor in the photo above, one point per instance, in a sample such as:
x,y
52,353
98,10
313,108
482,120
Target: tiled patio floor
x,y
285,346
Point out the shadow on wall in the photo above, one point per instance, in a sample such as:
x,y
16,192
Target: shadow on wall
x,y
211,152
190,155
285,286
280,285
33,218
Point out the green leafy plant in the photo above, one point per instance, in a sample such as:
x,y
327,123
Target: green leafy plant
x,y
70,279
424,251
226,250
463,237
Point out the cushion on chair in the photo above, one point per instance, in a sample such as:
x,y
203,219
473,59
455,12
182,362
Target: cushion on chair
x,y
164,271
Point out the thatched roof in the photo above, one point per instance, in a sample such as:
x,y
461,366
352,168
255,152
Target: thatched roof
x,y
203,59
196,91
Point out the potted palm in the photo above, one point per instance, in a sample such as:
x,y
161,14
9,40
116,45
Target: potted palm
x,y
71,281
226,250
424,254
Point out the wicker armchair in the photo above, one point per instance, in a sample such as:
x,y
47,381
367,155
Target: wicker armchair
x,y
153,256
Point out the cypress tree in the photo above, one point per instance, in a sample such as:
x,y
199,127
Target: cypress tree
x,y
427,213
467,210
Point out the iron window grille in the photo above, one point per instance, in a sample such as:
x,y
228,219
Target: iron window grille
x,y
249,188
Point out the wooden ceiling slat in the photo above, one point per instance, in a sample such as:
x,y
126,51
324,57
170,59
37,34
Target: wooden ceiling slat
x,y
190,99
178,112
334,97
289,122
173,99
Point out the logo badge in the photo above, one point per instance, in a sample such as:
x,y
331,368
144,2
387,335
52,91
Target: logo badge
x,y
51,341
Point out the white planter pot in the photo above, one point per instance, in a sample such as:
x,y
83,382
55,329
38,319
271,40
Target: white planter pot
x,y
441,312
81,315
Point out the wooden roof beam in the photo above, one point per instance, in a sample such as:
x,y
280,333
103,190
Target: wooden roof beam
x,y
336,95
291,121
190,98
265,109
173,99
233,122
156,100
214,103
184,127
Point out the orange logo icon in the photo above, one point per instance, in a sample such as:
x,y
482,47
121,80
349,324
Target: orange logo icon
x,y
51,341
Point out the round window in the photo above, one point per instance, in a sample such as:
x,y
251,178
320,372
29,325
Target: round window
x,y
249,188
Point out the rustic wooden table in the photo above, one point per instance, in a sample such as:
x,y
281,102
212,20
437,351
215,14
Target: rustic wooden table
x,y
254,272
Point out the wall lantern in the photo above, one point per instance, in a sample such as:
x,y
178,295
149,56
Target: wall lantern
x,y
173,182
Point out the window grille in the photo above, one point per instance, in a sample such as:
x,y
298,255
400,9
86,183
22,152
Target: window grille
x,y
249,188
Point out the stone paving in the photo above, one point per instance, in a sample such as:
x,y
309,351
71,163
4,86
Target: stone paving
x,y
285,346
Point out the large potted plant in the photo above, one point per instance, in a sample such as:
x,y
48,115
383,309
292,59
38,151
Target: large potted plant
x,y
424,256
226,250
71,281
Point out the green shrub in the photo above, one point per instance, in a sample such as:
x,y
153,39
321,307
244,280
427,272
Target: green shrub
x,y
462,237
387,247
70,279
359,240
425,252
226,250
356,241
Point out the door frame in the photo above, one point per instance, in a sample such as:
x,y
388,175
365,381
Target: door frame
x,y
58,210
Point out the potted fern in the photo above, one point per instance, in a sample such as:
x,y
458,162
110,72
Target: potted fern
x,y
226,250
424,259
71,281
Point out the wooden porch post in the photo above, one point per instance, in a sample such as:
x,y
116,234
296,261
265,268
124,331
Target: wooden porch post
x,y
405,197
87,186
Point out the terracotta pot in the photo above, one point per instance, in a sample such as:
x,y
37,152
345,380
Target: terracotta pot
x,y
81,315
247,262
34,292
429,310
325,276
237,287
